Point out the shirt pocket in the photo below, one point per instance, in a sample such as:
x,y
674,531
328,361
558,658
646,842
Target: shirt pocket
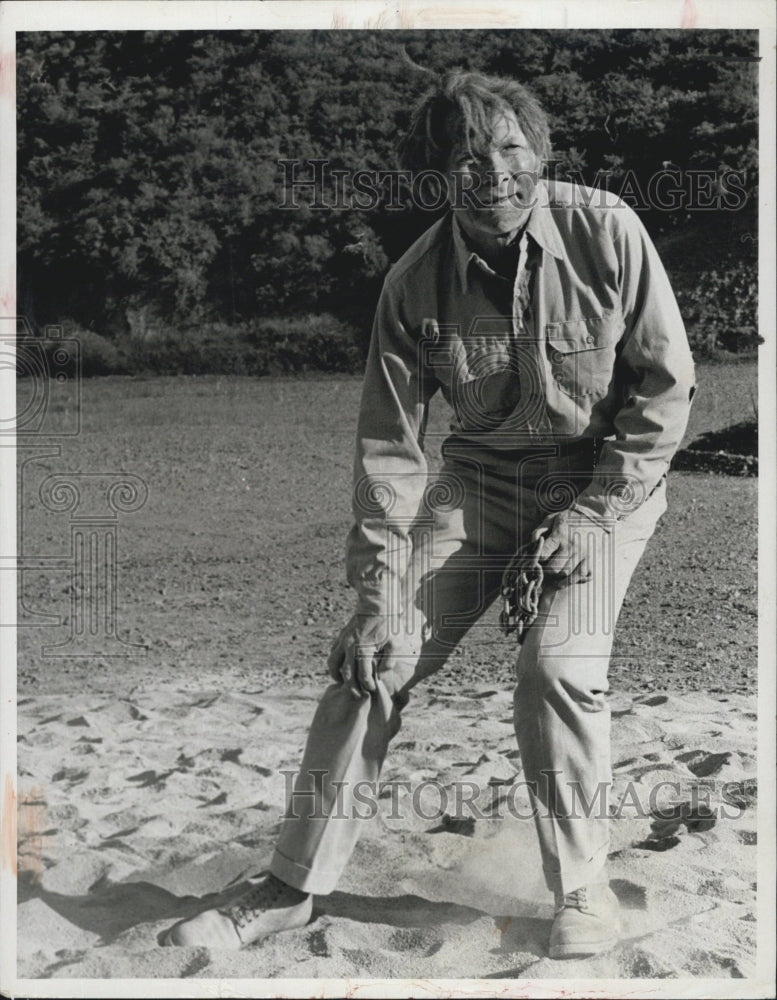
x,y
458,359
477,372
581,352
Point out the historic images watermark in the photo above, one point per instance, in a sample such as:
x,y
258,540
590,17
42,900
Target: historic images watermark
x,y
430,799
316,184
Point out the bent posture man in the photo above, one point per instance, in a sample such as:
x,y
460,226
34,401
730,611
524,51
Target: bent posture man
x,y
543,314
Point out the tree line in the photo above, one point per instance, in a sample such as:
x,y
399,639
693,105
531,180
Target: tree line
x,y
151,176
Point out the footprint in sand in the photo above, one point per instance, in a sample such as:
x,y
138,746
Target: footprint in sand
x,y
652,700
716,963
151,779
465,826
317,944
50,718
65,957
265,772
71,774
219,800
670,820
659,845
119,833
644,965
703,763
424,942
205,702
741,794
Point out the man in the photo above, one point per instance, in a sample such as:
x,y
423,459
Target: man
x,y
543,314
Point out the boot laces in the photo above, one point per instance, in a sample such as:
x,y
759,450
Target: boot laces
x,y
255,901
576,900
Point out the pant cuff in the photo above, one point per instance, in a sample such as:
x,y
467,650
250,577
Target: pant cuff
x,y
300,877
593,871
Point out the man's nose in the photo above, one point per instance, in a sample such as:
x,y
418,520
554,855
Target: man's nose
x,y
495,170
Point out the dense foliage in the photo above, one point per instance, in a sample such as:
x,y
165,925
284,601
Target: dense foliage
x,y
150,190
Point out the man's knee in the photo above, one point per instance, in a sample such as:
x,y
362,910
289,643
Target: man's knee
x,y
579,675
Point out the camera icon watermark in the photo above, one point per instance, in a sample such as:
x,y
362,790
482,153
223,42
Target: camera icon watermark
x,y
48,381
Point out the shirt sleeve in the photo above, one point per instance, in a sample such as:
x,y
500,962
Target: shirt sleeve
x,y
390,470
655,374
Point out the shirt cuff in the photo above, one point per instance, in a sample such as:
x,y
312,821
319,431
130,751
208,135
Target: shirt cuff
x,y
594,509
379,598
612,503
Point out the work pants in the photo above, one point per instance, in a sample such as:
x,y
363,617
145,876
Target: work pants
x,y
480,510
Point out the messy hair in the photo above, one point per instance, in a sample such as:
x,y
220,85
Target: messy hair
x,y
461,107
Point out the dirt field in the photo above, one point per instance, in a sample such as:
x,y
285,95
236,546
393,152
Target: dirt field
x,y
234,566
233,569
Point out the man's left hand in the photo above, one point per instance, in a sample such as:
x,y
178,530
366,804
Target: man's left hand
x,y
566,549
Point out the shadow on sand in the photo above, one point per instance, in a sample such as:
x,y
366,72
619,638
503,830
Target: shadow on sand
x,y
111,908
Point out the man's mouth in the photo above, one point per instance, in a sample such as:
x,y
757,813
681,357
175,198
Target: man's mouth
x,y
494,200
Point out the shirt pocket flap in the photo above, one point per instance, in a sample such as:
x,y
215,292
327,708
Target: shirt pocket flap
x,y
581,334
582,353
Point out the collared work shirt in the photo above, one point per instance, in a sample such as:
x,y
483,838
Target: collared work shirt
x,y
586,342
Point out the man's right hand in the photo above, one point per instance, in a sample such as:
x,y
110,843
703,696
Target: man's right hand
x,y
368,644
354,653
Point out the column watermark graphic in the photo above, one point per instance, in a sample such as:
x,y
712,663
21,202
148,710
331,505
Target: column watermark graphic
x,y
68,520
93,502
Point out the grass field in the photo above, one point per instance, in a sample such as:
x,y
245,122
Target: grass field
x,y
233,569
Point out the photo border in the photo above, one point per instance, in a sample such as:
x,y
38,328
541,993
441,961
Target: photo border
x,y
17,15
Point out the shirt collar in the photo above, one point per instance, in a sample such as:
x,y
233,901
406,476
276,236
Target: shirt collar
x,y
540,226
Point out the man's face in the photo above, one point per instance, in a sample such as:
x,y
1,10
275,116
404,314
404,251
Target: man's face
x,y
503,180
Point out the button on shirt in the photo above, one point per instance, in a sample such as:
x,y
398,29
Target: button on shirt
x,y
490,367
585,342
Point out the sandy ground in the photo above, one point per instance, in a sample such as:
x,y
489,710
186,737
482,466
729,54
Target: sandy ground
x,y
135,809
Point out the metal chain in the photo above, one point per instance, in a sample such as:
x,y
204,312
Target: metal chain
x,y
521,589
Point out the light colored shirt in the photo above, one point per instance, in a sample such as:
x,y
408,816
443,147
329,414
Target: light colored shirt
x,y
585,342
